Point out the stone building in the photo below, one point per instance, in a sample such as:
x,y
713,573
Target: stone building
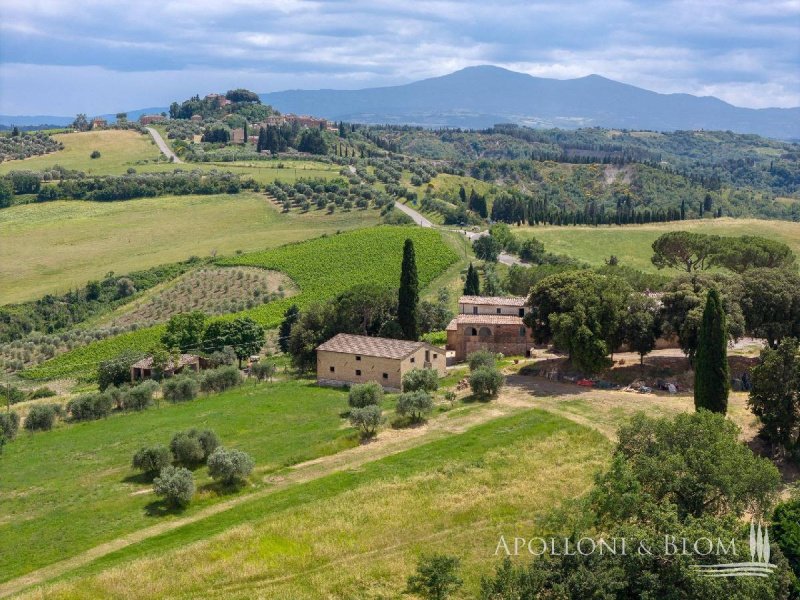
x,y
143,369
491,323
346,359
492,305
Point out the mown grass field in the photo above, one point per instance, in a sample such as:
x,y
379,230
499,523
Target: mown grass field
x,y
54,246
357,533
119,150
321,268
632,244
72,488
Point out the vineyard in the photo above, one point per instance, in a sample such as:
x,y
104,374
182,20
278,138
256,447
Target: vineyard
x,y
321,268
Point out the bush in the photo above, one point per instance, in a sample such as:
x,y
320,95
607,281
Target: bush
x,y
95,154
223,357
181,388
11,394
481,358
116,371
421,379
42,417
365,394
152,459
414,405
42,392
786,532
9,425
263,370
367,419
140,396
89,407
193,447
220,379
436,577
229,466
175,485
485,382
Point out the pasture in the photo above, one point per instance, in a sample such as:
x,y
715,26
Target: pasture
x,y
54,246
632,244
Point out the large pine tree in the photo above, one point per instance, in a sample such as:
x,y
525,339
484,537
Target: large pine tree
x,y
472,286
712,375
409,294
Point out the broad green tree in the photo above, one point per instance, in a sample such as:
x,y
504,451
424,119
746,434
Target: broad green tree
x,y
184,331
684,250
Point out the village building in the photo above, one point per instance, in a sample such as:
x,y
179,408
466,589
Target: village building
x,y
347,359
237,136
196,118
490,323
150,119
219,99
99,123
143,369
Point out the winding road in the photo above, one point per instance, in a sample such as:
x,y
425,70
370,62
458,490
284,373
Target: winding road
x,y
162,145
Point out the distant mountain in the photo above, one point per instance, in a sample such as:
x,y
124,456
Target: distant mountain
x,y
485,95
25,121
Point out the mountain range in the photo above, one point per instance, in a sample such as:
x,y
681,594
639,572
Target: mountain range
x,y
477,97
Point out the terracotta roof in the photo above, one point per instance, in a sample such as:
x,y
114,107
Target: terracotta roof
x,y
484,320
147,362
372,346
493,300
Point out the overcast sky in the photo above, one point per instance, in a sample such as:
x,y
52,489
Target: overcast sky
x,y
60,57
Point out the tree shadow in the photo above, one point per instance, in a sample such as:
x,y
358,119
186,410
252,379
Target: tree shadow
x,y
223,489
162,508
140,478
400,422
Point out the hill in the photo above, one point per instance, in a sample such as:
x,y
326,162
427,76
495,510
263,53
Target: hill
x,y
485,95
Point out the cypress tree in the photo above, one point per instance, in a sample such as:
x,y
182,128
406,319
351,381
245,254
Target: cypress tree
x,y
683,209
409,294
289,319
712,376
472,286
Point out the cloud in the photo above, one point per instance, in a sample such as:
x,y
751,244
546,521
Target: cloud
x,y
151,51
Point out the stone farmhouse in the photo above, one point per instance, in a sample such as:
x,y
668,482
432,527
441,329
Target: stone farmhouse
x,y
149,119
144,368
347,359
99,123
489,323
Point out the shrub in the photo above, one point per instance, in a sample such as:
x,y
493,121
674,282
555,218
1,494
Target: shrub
x,y
89,407
485,382
152,459
140,396
414,404
263,370
223,357
42,392
193,447
220,379
436,577
175,485
229,466
786,532
365,394
116,371
181,388
481,358
9,425
11,394
421,379
95,154
367,419
42,417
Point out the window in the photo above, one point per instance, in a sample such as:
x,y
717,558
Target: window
x,y
522,332
333,370
427,356
358,358
473,331
498,311
358,372
474,310
386,376
521,312
435,356
412,359
484,331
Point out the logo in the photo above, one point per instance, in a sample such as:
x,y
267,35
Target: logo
x,y
759,565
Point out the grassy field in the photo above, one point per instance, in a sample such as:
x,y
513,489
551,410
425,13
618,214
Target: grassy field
x,y
72,488
55,246
119,150
632,243
321,268
357,533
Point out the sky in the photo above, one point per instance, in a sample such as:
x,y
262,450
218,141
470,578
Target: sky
x,y
61,57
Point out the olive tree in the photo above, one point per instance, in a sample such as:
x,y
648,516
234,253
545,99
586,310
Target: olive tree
x,y
230,466
175,485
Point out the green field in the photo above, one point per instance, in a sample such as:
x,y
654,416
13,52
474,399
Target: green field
x,y
321,268
356,534
72,488
55,246
632,243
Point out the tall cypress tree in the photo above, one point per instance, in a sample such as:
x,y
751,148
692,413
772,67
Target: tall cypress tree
x,y
409,294
472,286
712,374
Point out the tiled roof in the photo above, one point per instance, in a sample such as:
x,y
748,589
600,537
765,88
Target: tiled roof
x,y
371,346
493,300
484,320
147,363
